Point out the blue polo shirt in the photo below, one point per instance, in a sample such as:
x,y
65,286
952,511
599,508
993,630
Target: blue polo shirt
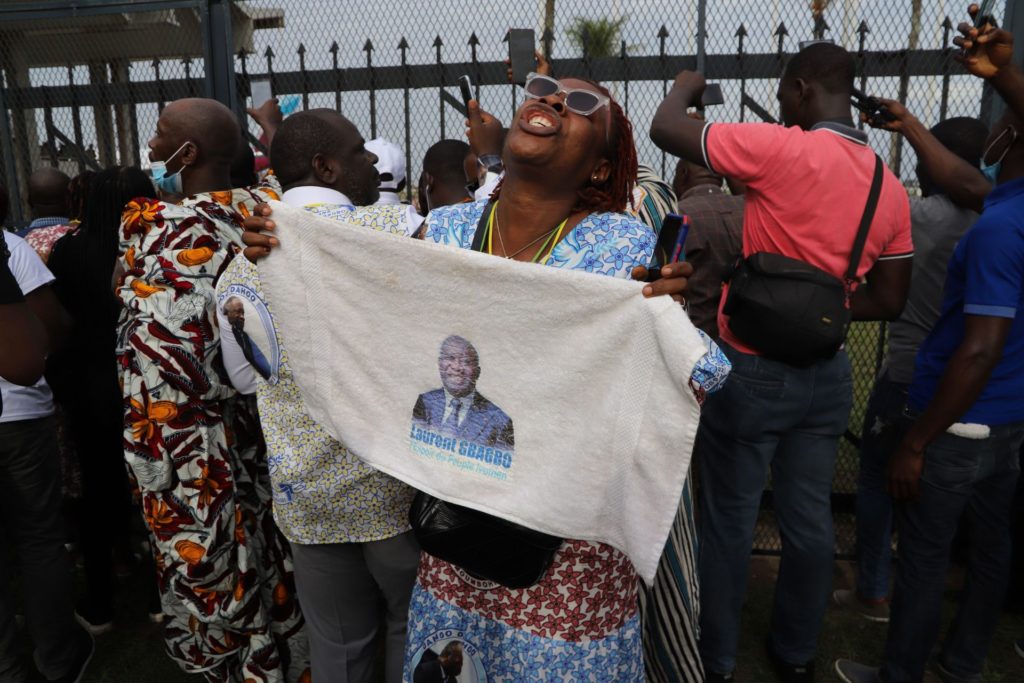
x,y
985,277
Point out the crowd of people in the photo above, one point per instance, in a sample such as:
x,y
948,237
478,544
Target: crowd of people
x,y
142,368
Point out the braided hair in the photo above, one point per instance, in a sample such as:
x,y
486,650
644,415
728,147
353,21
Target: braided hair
x,y
617,190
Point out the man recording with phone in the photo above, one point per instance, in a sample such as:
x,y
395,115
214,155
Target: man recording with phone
x,y
818,202
964,423
951,150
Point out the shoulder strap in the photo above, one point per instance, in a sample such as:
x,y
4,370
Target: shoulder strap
x,y
866,219
481,227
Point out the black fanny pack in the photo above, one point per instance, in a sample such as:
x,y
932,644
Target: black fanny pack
x,y
486,546
791,311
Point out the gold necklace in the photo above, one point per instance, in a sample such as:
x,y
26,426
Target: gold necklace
x,y
497,229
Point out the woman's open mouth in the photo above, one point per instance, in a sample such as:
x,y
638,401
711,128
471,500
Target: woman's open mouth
x,y
539,120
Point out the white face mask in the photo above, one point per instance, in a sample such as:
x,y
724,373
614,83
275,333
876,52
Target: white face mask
x,y
169,184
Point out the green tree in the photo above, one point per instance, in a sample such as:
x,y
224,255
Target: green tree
x,y
596,37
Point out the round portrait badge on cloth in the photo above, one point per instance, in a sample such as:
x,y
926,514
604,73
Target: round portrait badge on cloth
x,y
252,329
447,656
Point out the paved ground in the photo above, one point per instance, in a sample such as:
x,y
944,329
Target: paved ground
x,y
133,652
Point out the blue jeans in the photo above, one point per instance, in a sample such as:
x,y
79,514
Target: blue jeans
x,y
884,427
980,477
769,416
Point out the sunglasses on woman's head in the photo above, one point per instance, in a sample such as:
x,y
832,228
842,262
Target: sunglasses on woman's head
x,y
582,102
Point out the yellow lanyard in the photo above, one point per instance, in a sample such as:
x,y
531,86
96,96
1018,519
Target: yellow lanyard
x,y
549,245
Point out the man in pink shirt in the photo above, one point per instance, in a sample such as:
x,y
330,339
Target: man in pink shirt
x,y
807,187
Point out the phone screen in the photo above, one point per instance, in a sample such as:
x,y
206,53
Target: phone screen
x,y
259,89
466,86
670,228
984,12
521,51
712,95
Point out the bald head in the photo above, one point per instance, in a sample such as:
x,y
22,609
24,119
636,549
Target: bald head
x,y
321,147
208,123
305,135
198,140
48,193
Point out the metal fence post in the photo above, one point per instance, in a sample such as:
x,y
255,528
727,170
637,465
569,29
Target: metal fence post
x,y
702,32
947,29
217,52
10,167
403,47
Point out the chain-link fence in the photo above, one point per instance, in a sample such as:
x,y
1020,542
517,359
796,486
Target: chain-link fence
x,y
84,81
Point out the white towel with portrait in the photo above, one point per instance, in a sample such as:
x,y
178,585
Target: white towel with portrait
x,y
562,401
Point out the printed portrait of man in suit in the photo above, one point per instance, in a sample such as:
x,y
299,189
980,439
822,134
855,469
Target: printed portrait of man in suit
x,y
457,409
234,309
440,668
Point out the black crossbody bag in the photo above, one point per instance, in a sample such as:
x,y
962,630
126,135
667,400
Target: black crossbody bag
x,y
486,546
791,311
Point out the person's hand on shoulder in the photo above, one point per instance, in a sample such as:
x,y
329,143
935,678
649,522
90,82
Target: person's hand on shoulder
x,y
987,50
256,236
673,282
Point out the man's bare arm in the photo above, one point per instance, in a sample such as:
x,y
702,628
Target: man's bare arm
x,y
672,129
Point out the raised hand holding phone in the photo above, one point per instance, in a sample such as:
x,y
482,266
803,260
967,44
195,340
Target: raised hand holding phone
x,y
466,89
260,91
984,14
521,54
876,111
986,51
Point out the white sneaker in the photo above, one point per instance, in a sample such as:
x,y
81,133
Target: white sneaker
x,y
94,629
877,612
855,672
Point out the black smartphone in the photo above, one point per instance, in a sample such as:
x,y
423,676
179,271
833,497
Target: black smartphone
x,y
668,242
984,12
466,87
712,95
878,115
522,48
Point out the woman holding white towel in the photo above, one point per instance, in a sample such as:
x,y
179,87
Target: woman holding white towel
x,y
570,166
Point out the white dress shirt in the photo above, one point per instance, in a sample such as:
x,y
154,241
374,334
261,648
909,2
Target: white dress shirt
x,y
389,198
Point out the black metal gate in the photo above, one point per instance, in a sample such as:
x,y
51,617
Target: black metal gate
x,y
84,81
